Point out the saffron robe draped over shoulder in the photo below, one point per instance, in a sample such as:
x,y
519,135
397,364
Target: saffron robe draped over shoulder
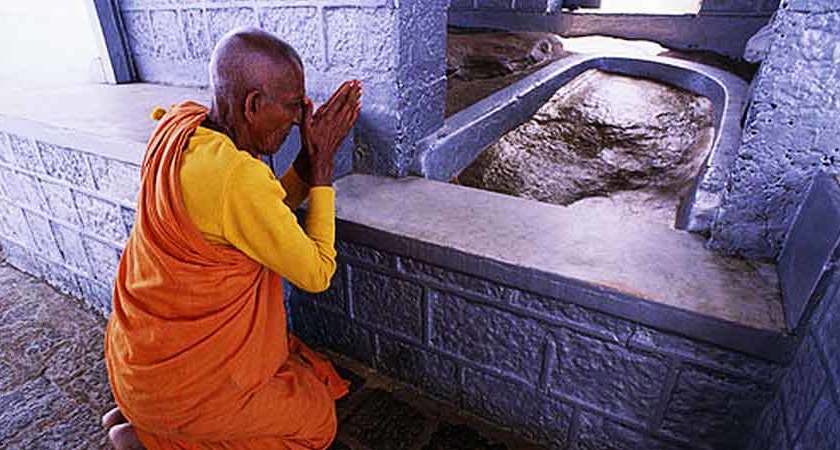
x,y
197,349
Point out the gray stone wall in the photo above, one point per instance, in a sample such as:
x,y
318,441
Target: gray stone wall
x,y
805,411
65,215
558,373
792,131
396,48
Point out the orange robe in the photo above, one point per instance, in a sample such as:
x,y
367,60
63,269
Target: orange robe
x,y
197,349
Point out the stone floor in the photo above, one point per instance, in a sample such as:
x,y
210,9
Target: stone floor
x,y
53,386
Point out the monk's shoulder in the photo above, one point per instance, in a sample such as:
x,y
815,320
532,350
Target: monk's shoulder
x,y
212,156
248,176
245,167
208,146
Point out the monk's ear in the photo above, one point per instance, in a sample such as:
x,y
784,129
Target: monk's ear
x,y
252,105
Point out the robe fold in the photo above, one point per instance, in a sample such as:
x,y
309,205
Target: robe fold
x,y
197,349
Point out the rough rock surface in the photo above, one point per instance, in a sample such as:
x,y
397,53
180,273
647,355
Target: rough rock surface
x,y
602,135
470,56
790,134
479,63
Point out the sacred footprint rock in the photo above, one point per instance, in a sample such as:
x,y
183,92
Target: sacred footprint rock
x,y
601,134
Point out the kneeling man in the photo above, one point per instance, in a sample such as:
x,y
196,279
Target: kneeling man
x,y
197,347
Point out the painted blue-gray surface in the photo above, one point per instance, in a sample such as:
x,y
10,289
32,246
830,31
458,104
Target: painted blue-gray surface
x,y
791,131
810,247
531,6
396,48
464,135
65,215
537,356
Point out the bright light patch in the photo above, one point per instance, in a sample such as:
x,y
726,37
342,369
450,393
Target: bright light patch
x,y
670,7
604,44
47,42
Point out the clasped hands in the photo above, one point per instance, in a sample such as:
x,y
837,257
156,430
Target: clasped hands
x,y
321,132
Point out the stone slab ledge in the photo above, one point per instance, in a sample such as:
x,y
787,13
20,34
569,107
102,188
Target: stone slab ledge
x,y
634,270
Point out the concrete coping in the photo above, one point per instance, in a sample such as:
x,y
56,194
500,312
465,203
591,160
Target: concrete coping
x,y
639,271
114,120
108,120
448,150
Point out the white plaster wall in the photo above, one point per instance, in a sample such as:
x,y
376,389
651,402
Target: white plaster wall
x,y
47,42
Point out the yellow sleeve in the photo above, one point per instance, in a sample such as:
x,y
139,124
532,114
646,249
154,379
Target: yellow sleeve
x,y
256,220
296,189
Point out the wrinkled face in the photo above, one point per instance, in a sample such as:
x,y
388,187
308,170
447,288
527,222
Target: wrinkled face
x,y
279,106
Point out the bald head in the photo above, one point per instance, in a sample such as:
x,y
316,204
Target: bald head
x,y
247,59
257,80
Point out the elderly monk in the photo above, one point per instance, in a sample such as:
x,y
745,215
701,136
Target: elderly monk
x,y
197,349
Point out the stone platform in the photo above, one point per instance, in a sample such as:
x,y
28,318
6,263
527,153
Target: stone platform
x,y
54,386
570,327
77,167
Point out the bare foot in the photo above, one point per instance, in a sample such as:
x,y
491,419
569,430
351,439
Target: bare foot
x,y
113,417
123,437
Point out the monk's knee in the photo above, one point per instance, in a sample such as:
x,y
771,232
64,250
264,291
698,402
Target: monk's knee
x,y
323,437
324,429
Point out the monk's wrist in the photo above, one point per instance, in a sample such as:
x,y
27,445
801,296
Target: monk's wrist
x,y
323,179
302,167
322,183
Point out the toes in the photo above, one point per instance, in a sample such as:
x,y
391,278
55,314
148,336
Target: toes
x,y
123,437
112,417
